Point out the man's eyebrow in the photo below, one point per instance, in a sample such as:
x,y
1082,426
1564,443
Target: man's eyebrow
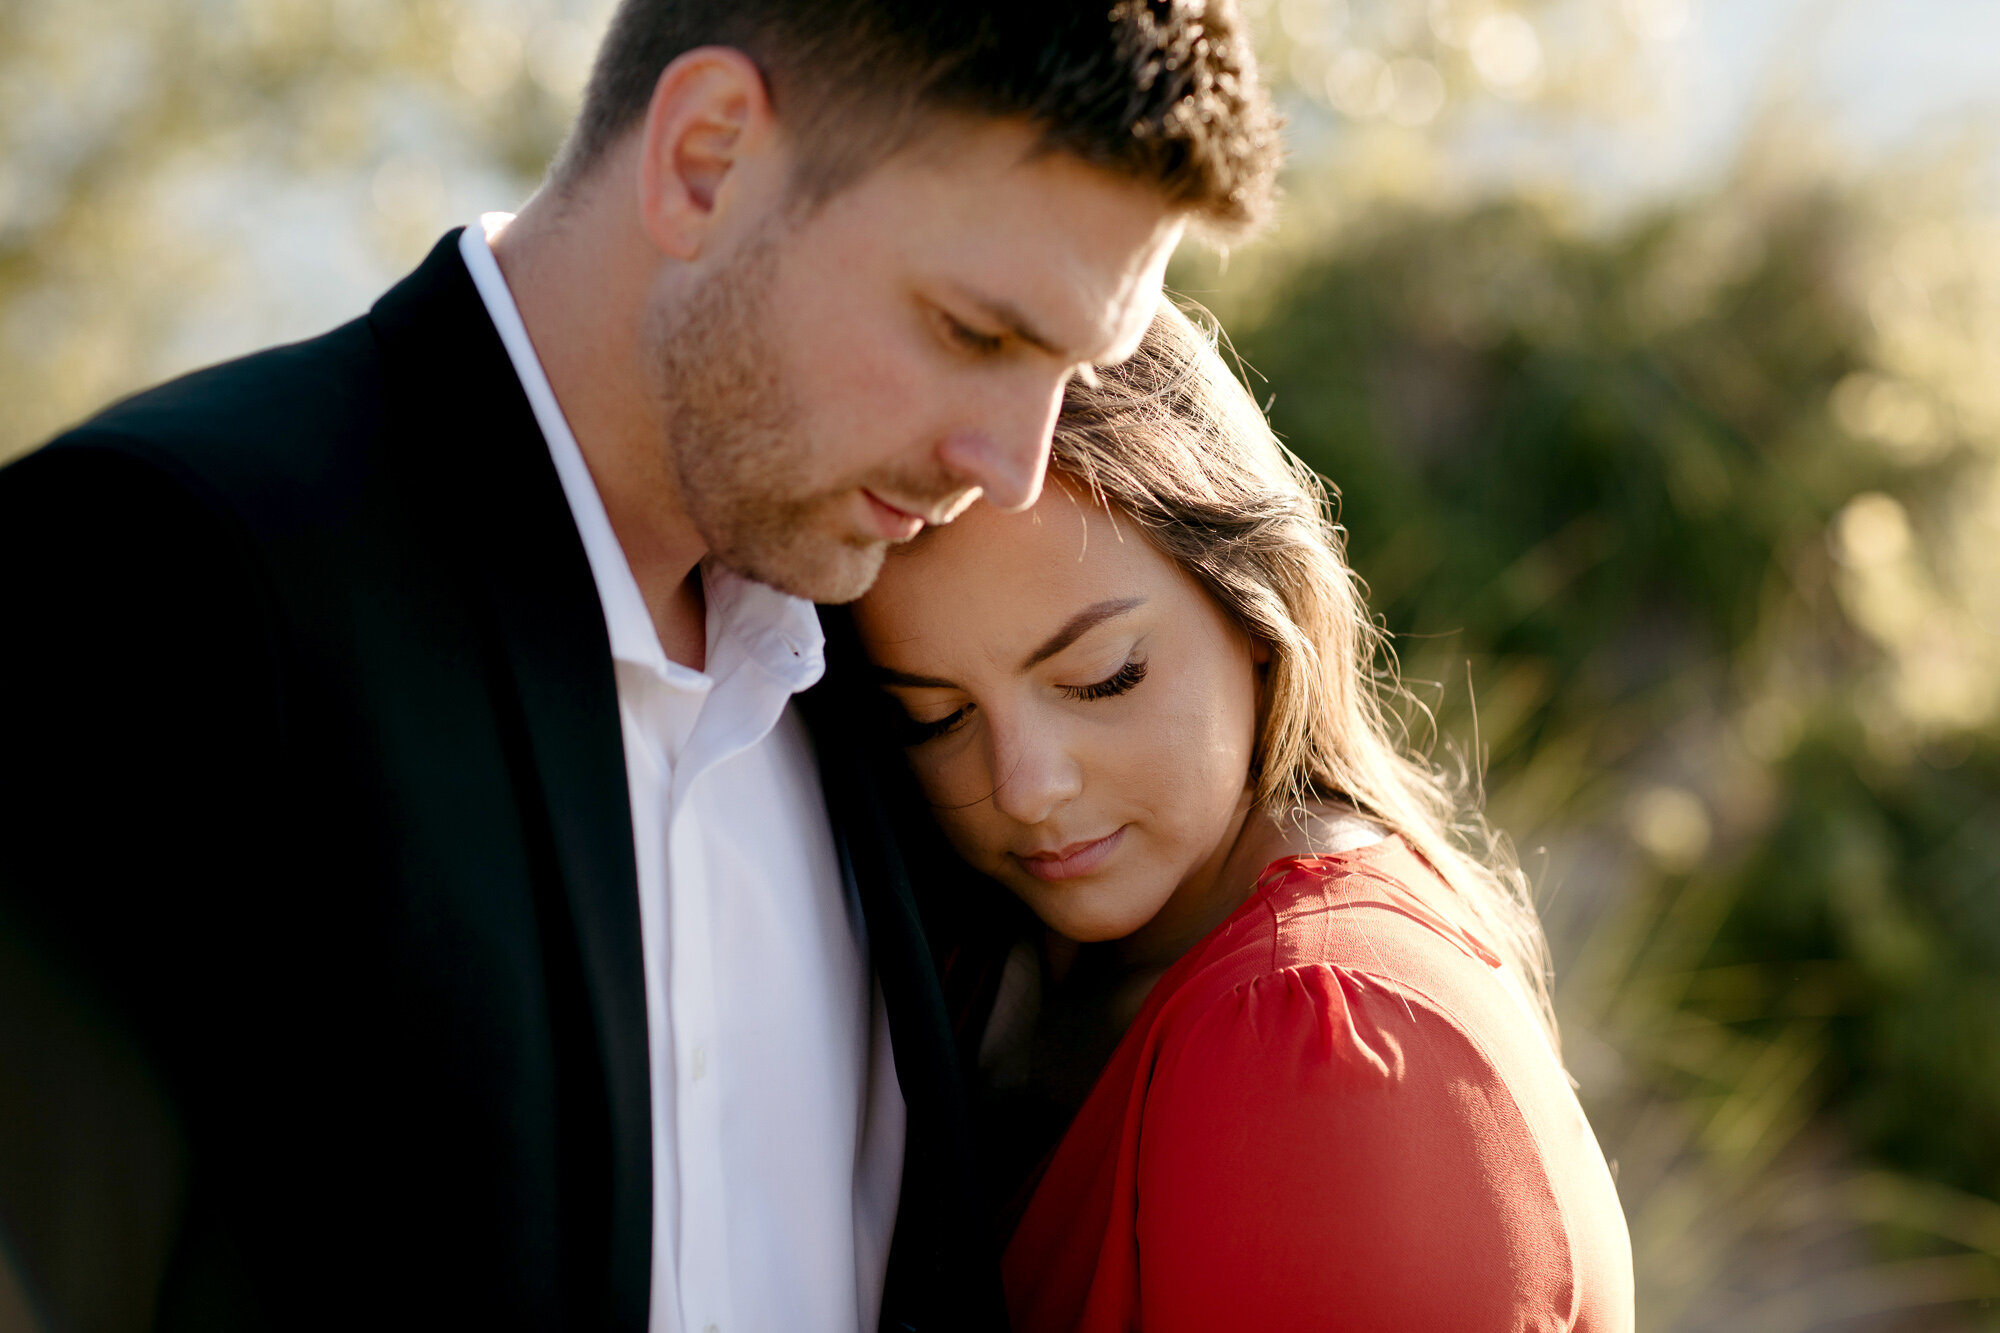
x,y
1079,625
891,676
1009,317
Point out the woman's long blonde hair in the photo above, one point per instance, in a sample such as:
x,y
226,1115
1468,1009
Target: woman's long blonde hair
x,y
1171,440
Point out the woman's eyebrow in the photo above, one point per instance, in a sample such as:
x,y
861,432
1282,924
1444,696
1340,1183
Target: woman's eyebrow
x,y
1079,625
891,676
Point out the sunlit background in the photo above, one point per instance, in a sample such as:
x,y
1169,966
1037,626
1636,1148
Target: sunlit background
x,y
1655,348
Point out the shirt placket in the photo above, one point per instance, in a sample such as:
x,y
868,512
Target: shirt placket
x,y
704,1230
703,1258
738,711
654,729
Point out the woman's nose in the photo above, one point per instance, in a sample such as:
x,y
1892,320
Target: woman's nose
x,y
1034,773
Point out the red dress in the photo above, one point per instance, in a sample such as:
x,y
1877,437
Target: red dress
x,y
1329,1115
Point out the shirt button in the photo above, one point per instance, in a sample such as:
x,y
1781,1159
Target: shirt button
x,y
713,1328
700,1063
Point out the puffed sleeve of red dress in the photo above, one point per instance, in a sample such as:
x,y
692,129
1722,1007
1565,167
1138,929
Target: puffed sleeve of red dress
x,y
1331,1115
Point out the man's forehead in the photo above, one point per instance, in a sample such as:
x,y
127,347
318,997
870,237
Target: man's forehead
x,y
1065,254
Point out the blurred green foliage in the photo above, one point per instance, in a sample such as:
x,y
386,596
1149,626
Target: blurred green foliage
x,y
1673,530
184,181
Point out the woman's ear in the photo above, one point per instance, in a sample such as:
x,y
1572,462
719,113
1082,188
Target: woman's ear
x,y
707,132
1260,662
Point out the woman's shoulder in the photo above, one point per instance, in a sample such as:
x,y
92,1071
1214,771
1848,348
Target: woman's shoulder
x,y
1346,1087
1345,976
1376,908
1357,951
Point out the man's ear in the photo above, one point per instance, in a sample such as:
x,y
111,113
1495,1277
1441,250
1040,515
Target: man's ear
x,y
710,117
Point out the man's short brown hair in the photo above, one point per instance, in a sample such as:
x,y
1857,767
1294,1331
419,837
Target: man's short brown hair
x,y
1164,92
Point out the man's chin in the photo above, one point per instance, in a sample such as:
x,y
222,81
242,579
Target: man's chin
x,y
830,572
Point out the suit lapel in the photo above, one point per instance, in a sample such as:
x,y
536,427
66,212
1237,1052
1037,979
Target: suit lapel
x,y
493,481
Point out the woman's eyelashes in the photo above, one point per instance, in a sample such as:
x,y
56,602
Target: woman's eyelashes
x,y
1121,681
916,733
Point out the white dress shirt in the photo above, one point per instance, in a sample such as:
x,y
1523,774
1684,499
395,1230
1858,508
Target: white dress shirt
x,y
777,1120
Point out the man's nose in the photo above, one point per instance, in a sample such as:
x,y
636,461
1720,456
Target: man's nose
x,y
1005,452
1034,773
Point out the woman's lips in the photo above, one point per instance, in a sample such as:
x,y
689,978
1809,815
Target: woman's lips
x,y
1079,858
895,525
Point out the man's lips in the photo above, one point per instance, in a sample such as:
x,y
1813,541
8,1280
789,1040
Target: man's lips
x,y
895,525
1079,858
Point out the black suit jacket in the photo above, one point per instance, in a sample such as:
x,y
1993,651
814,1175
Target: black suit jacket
x,y
320,981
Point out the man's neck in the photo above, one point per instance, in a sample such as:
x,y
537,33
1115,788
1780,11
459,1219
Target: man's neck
x,y
579,272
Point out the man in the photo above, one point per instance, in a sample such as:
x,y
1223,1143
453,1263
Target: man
x,y
419,905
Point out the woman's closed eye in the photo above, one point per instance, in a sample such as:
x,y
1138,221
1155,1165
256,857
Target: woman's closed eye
x,y
1121,681
915,732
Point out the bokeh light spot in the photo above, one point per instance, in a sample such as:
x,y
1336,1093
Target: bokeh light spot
x,y
1872,530
1416,92
1671,825
1507,53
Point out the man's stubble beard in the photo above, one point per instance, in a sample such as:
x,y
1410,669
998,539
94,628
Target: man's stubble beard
x,y
738,451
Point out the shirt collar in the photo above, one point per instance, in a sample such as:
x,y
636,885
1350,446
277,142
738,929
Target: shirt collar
x,y
748,622
751,622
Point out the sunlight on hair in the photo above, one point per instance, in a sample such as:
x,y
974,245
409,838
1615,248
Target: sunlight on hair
x,y
1171,441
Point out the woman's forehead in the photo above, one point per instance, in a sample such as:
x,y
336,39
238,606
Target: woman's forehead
x,y
1067,529
991,576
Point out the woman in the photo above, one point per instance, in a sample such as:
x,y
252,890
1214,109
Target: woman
x,y
1278,1055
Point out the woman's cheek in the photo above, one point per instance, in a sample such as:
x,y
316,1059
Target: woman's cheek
x,y
944,773
963,835
969,827
1169,753
1203,761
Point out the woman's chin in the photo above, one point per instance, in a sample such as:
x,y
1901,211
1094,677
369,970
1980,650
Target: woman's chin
x,y
1084,922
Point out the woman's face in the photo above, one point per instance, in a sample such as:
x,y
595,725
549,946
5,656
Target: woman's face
x,y
1081,713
